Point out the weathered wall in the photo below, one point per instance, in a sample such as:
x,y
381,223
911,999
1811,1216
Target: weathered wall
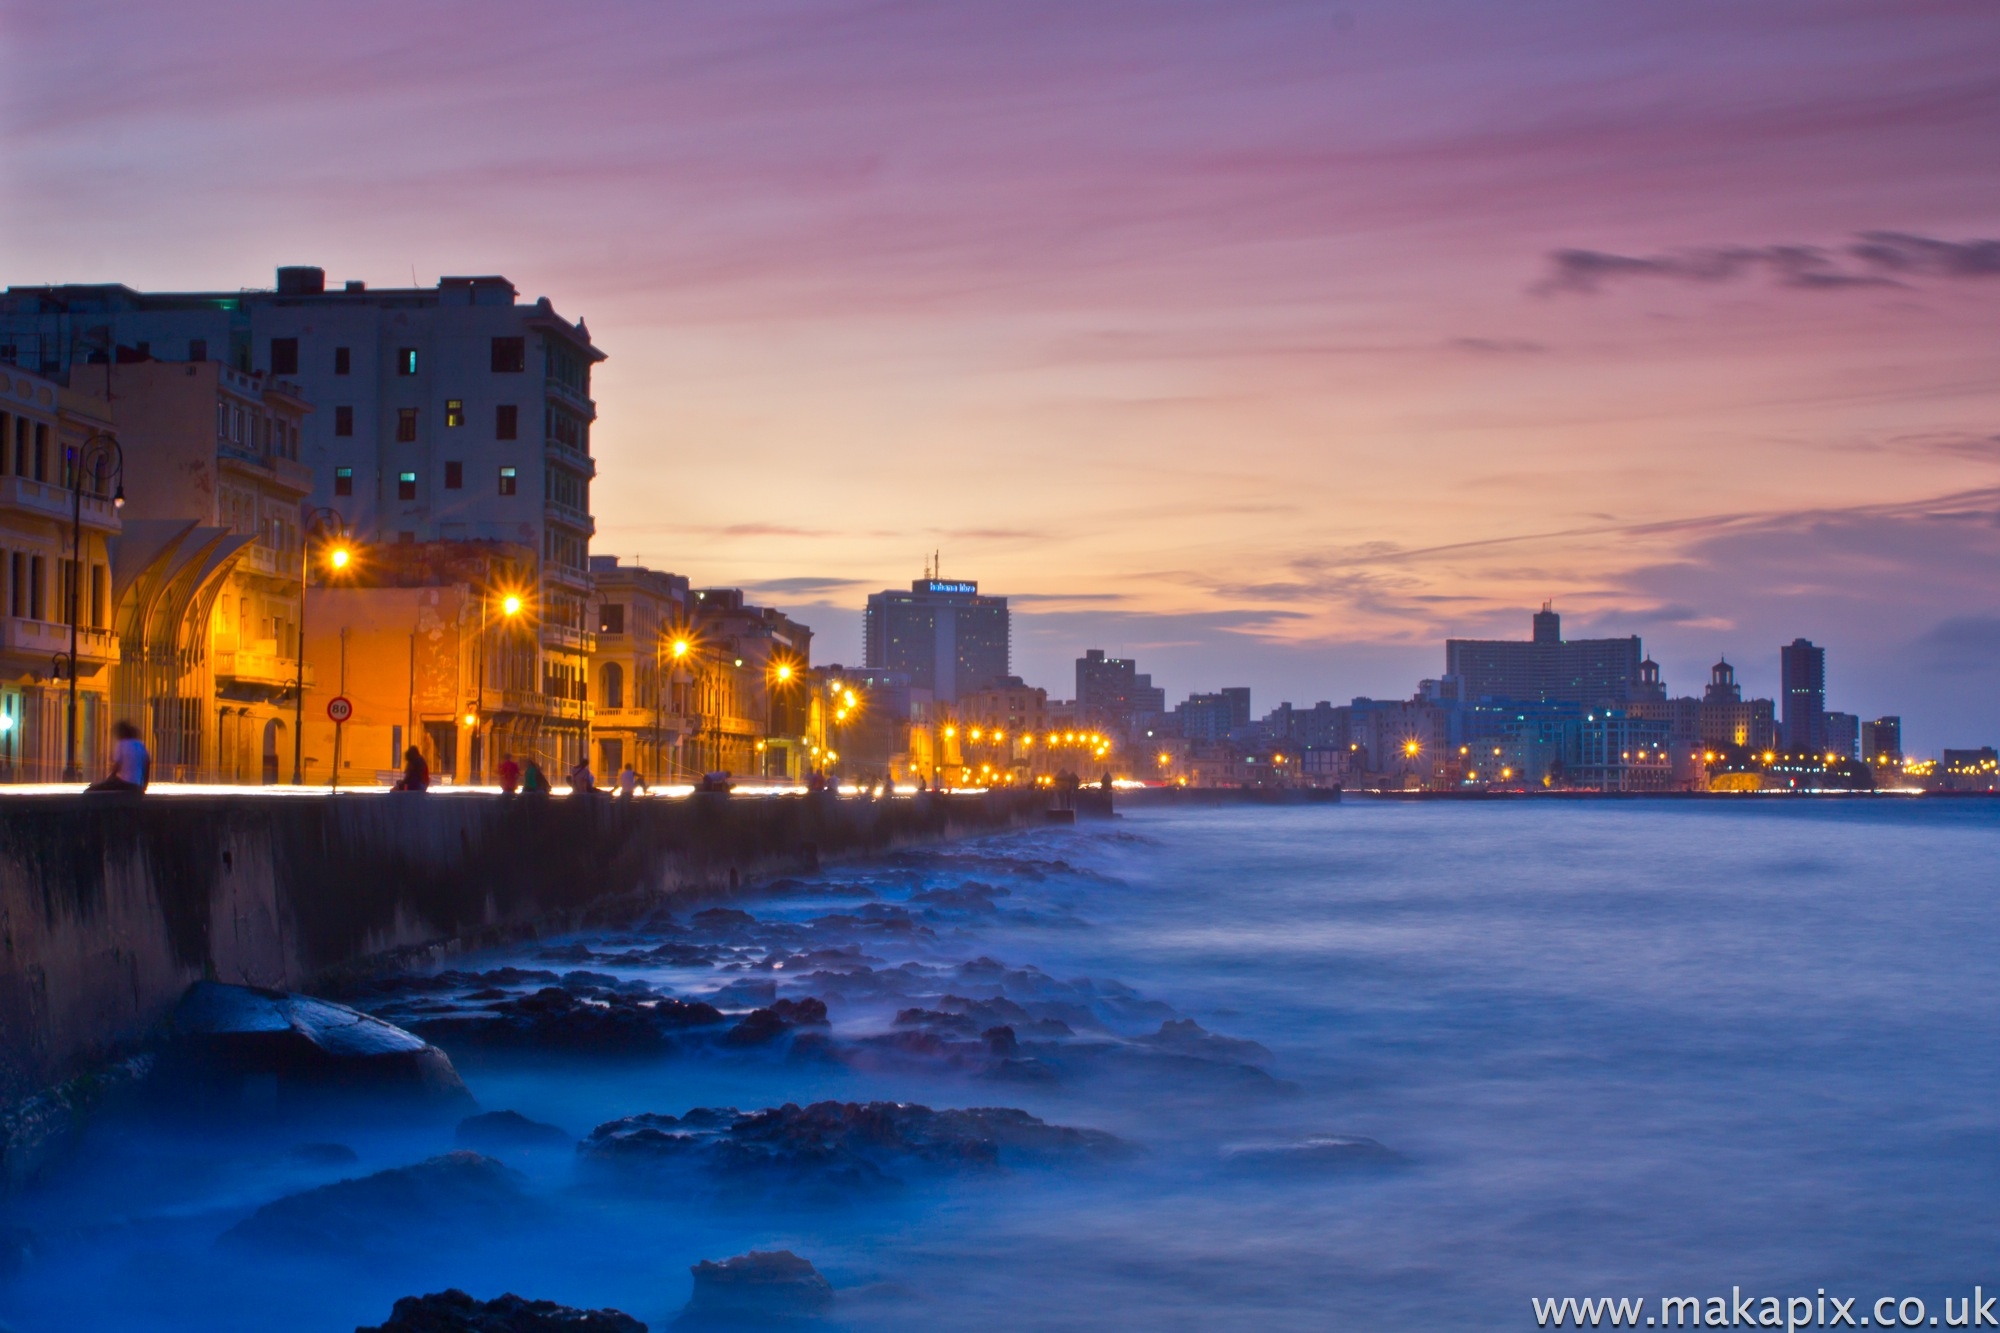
x,y
109,911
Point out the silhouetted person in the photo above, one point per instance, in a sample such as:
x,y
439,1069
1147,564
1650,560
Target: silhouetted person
x,y
630,783
534,782
131,766
582,782
510,775
416,773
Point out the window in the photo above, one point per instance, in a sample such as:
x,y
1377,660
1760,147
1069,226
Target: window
x,y
197,349
37,580
99,605
406,361
611,618
41,461
343,481
507,481
510,356
406,485
343,360
406,425
614,686
454,411
506,422
343,421
454,476
284,356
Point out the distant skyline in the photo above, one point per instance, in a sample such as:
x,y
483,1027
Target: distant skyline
x,y
1268,343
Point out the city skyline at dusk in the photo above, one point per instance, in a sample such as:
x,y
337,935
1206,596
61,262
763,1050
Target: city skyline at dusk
x,y
1269,344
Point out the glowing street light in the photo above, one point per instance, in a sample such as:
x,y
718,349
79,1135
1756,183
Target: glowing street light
x,y
680,648
510,605
339,556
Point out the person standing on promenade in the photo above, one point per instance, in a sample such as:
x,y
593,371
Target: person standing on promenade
x,y
510,775
131,766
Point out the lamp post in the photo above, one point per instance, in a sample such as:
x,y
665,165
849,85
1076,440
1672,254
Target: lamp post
x,y
103,461
510,606
315,522
678,650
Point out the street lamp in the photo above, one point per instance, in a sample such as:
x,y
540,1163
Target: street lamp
x,y
510,606
103,461
314,522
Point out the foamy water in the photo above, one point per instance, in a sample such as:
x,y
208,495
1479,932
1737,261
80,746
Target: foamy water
x,y
1609,1048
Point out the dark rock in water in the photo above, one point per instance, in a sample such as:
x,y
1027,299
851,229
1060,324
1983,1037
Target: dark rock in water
x,y
229,1033
839,1145
455,1312
566,953
759,1027
553,1018
721,920
971,896
496,1131
1323,1153
804,1012
324,1154
758,994
1187,1037
761,1286
1001,1041
442,1196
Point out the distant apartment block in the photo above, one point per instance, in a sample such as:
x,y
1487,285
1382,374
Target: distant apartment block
x,y
1882,741
951,640
1590,672
1802,670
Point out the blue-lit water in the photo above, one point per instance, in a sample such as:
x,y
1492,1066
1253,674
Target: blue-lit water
x,y
1616,1048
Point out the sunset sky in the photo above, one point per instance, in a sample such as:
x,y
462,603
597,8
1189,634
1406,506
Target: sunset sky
x,y
1267,342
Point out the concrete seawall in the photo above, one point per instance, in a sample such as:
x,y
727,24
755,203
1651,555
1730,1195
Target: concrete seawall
x,y
109,911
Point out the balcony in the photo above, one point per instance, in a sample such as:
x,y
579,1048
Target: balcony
x,y
569,516
292,476
564,638
49,500
261,559
43,639
259,665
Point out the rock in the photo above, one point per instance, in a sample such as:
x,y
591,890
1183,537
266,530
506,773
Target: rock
x,y
759,1027
230,1033
840,1145
755,993
1321,1153
553,1018
1001,1041
496,1131
442,1196
1187,1037
803,1012
760,1285
455,1312
324,1154
971,896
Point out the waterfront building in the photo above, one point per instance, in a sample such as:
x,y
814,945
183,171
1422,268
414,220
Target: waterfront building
x,y
1969,770
1590,672
752,699
949,638
875,722
1685,721
45,584
209,448
450,413
437,646
1113,695
1843,735
640,669
1620,751
1212,717
1882,741
1802,669
1321,726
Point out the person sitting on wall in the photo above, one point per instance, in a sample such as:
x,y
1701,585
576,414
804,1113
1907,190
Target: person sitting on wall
x,y
131,766
630,783
510,775
582,782
534,782
416,773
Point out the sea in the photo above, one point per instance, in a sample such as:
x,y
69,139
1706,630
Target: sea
x,y
1383,1064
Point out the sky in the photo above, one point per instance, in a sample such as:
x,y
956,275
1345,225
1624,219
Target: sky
x,y
1269,342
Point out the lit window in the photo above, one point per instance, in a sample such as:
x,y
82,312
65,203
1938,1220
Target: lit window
x,y
406,486
343,481
406,361
508,481
454,412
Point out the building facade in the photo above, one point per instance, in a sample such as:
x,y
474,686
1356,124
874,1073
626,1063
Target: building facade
x,y
1802,671
1589,672
450,414
47,586
752,699
949,638
641,682
1882,741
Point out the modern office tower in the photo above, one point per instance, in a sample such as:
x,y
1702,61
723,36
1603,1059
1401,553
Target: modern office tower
x,y
1882,741
951,640
1547,667
1802,668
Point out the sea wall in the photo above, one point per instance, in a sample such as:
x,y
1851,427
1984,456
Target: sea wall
x,y
108,911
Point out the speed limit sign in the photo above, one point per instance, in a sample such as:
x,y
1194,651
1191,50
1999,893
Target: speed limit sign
x,y
339,708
